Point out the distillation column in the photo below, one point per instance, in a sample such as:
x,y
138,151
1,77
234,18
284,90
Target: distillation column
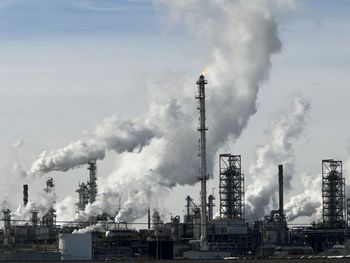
x,y
202,167
92,181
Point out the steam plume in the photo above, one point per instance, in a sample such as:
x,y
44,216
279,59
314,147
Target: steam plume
x,y
278,149
242,37
113,134
307,203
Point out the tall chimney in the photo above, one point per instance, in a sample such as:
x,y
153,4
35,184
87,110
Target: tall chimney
x,y
149,218
25,194
280,183
202,166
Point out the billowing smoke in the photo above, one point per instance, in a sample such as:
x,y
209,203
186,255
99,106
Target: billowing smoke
x,y
113,134
158,150
41,203
278,149
242,38
308,203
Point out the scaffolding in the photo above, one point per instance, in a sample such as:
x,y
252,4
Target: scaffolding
x,y
231,187
333,194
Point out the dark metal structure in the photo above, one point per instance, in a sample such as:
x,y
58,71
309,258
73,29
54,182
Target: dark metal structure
x,y
211,205
92,181
203,177
25,194
83,193
231,187
333,194
280,190
275,225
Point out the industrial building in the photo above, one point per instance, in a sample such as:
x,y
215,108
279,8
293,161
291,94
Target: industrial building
x,y
199,235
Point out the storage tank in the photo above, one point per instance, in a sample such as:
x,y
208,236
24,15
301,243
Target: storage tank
x,y
75,246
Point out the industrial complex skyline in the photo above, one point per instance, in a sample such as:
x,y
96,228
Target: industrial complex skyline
x,y
174,129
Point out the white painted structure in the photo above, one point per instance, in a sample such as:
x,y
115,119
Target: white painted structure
x,y
75,246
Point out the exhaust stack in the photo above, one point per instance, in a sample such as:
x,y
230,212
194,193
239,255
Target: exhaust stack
x,y
280,183
203,166
25,194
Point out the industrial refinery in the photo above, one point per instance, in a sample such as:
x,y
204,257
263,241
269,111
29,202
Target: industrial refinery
x,y
198,234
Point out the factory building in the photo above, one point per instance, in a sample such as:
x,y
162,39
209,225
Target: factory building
x,y
199,235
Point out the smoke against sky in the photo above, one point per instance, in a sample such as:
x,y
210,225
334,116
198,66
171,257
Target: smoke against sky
x,y
277,149
241,59
241,38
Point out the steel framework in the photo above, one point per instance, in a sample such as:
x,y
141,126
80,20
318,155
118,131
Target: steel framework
x,y
333,194
92,167
231,187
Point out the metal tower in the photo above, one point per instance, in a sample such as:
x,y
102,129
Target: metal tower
x,y
83,192
333,194
49,219
231,187
92,181
202,167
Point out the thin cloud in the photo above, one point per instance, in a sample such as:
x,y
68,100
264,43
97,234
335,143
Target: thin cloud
x,y
104,6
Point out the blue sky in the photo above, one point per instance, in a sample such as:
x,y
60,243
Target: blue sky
x,y
43,18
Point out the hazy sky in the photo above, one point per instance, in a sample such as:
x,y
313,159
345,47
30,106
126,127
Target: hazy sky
x,y
65,65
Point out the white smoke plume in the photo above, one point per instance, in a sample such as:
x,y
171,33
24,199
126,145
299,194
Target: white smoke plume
x,y
308,203
99,227
23,213
42,203
278,149
113,134
242,36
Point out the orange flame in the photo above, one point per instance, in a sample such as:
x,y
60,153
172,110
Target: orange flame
x,y
205,71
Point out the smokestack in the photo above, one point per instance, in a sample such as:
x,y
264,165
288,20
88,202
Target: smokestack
x,y
211,207
25,194
203,159
280,183
149,218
